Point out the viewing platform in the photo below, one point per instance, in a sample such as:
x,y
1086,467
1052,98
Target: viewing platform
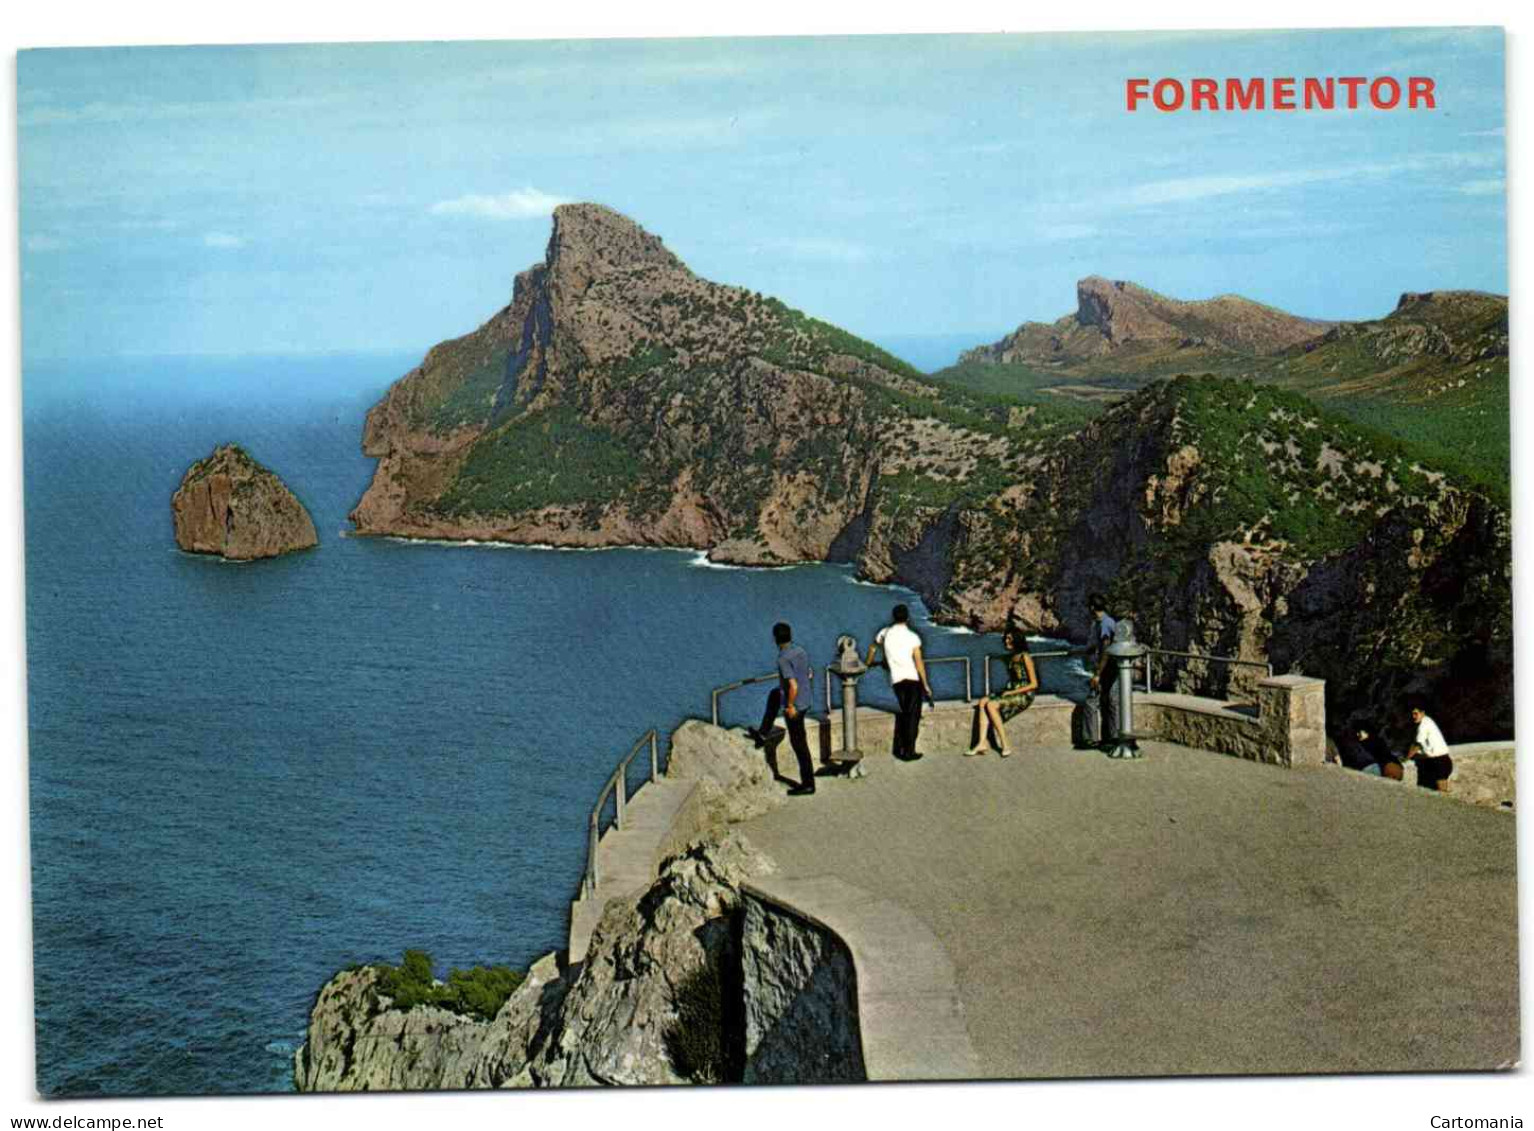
x,y
1228,904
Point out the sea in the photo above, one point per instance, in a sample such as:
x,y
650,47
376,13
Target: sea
x,y
245,777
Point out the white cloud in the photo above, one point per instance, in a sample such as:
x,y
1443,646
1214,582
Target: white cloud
x,y
1181,190
1491,186
521,204
222,240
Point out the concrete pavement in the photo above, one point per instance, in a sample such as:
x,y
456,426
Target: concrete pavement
x,y
1186,913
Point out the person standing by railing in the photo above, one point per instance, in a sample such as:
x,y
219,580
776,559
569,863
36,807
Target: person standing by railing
x,y
908,678
1104,670
794,685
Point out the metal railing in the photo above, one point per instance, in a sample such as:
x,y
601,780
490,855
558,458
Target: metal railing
x,y
617,786
1150,662
991,656
720,692
969,678
969,687
969,684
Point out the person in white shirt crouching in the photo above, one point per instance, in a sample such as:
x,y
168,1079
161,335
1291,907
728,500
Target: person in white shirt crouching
x,y
1430,752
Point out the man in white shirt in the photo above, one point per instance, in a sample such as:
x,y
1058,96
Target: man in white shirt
x,y
1430,752
908,678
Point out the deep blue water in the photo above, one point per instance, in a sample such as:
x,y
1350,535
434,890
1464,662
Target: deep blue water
x,y
244,777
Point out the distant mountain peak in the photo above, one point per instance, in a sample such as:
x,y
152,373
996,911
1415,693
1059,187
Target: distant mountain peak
x,y
1465,298
590,240
1114,314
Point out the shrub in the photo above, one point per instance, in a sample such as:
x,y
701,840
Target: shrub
x,y
477,992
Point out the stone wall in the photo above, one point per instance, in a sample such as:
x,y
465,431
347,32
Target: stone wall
x,y
1485,774
949,728
1286,728
799,991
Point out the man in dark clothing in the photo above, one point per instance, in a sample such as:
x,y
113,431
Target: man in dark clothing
x,y
760,734
1104,670
794,688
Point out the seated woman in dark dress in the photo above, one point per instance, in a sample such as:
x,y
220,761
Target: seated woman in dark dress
x,y
992,712
1367,752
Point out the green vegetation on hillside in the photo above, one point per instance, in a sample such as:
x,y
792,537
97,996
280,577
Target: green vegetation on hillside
x,y
1434,373
478,992
1262,450
549,458
472,401
827,339
1026,386
1466,433
930,491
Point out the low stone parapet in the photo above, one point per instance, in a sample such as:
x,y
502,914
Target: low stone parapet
x,y
1286,727
950,727
1484,774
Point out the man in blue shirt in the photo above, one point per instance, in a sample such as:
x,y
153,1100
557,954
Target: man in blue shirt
x,y
794,685
1105,671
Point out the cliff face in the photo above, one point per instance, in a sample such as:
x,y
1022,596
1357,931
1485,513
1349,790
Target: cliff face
x,y
1238,520
627,1015
228,504
619,399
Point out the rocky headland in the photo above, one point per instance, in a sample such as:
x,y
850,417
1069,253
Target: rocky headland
x,y
230,505
1114,316
620,399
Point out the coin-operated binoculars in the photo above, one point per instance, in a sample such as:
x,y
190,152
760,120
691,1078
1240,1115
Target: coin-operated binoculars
x,y
848,668
1126,653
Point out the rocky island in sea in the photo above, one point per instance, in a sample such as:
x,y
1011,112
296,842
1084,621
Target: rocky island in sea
x,y
229,505
1242,481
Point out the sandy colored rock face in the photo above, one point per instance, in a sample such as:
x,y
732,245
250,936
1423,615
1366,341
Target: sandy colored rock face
x,y
746,429
228,504
1112,315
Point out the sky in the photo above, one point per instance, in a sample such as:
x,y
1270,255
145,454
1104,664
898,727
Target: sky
x,y
293,199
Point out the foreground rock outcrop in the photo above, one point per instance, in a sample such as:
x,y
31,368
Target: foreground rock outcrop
x,y
644,1008
228,504
680,985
